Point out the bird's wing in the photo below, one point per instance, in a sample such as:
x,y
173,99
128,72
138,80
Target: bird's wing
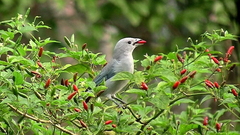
x,y
106,73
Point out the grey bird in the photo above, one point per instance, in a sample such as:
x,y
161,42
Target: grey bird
x,y
122,61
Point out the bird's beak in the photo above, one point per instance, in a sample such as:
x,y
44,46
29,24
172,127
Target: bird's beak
x,y
140,42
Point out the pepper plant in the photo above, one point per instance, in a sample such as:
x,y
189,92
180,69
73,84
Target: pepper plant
x,y
40,94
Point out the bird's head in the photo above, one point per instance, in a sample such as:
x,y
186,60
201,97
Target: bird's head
x,y
127,45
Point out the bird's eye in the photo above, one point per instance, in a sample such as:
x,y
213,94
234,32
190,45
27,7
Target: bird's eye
x,y
129,42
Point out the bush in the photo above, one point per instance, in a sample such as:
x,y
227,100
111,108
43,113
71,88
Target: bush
x,y
36,99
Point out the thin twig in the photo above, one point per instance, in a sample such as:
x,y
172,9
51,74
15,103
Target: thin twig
x,y
203,81
138,119
162,110
146,123
40,120
188,95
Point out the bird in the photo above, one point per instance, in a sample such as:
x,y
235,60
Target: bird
x,y
122,61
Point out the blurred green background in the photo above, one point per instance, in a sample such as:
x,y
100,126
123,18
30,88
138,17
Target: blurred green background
x,y
164,24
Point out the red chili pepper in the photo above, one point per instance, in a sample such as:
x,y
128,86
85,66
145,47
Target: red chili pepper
x,y
87,99
35,72
215,60
54,58
192,74
75,88
108,122
225,59
205,121
158,58
228,54
84,46
144,86
234,92
176,84
230,50
66,83
218,126
83,124
77,110
85,106
180,58
114,125
40,51
232,67
183,71
209,84
216,85
184,79
218,69
75,77
37,75
72,95
39,64
47,83
207,50
148,67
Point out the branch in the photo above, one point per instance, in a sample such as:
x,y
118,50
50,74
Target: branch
x,y
162,110
146,123
188,95
26,115
138,119
40,120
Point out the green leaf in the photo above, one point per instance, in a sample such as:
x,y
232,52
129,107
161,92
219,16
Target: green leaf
x,y
32,44
198,88
123,76
20,59
46,41
4,63
161,85
15,91
184,128
145,63
164,73
171,55
4,49
219,113
27,28
183,101
138,77
99,60
21,50
164,101
161,100
137,91
6,35
80,68
206,98
72,38
18,78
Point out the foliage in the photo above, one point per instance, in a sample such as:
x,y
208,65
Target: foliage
x,y
35,98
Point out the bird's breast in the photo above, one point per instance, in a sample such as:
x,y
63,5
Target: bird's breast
x,y
126,65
